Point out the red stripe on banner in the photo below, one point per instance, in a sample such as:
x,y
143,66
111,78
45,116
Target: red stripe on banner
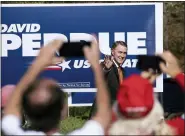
x,y
54,68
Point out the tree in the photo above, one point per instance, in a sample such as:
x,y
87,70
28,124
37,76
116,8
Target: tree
x,y
174,28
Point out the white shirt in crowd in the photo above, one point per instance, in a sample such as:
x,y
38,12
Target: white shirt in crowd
x,y
11,125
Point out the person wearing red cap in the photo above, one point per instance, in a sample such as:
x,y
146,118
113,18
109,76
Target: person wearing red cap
x,y
173,69
137,111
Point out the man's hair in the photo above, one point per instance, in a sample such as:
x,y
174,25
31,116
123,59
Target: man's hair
x,y
115,44
46,115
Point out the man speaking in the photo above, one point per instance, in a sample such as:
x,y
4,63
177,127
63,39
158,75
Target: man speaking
x,y
113,71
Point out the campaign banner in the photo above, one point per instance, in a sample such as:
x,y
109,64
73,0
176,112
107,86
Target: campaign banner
x,y
25,28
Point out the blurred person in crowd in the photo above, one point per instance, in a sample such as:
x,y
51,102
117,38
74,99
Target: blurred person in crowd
x,y
173,69
129,116
173,101
137,111
43,100
6,92
113,71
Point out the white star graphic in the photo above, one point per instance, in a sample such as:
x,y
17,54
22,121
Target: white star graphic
x,y
64,65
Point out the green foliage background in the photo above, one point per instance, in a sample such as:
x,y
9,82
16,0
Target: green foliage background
x,y
174,16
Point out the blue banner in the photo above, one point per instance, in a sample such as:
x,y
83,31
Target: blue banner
x,y
25,28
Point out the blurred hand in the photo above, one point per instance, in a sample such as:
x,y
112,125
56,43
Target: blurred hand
x,y
149,75
172,67
47,56
92,54
108,62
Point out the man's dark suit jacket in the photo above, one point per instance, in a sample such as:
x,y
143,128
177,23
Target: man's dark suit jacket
x,y
112,80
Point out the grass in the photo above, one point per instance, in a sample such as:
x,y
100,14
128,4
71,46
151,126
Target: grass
x,y
77,117
70,124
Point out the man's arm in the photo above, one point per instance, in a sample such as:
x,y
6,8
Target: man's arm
x,y
103,115
172,68
45,58
102,99
98,124
14,104
12,117
11,121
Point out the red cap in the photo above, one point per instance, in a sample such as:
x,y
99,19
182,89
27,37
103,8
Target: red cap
x,y
6,94
135,95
